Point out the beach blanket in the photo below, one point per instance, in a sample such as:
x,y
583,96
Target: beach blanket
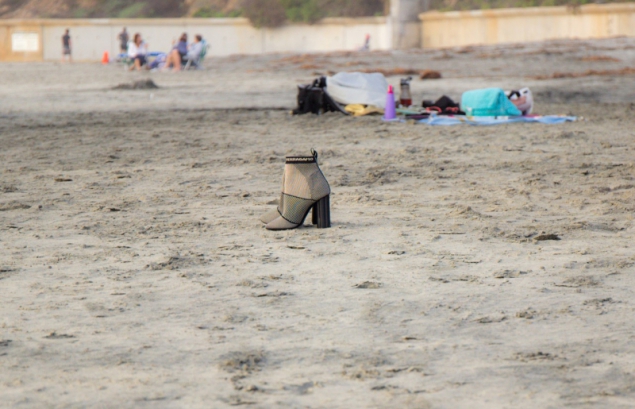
x,y
443,120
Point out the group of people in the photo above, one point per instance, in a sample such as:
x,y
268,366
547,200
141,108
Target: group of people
x,y
137,50
179,55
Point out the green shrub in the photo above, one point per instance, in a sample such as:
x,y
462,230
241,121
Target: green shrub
x,y
207,12
264,13
303,11
138,9
307,11
165,8
354,8
135,10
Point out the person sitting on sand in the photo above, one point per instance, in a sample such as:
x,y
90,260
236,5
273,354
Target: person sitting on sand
x,y
176,58
137,50
195,48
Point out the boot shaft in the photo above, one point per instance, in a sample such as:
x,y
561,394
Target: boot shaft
x,y
304,179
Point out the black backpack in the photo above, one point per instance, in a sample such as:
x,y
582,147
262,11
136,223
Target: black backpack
x,y
313,98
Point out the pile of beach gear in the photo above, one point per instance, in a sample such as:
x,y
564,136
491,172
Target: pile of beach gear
x,y
361,94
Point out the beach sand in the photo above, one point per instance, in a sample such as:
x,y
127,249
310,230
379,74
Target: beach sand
x,y
467,267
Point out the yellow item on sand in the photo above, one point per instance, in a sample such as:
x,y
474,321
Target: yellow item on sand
x,y
361,110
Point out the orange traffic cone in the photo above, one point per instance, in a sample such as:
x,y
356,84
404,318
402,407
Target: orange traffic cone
x,y
105,59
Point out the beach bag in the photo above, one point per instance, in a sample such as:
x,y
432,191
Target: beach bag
x,y
488,102
443,106
523,100
313,98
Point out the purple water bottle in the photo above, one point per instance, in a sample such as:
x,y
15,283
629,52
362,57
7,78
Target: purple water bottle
x,y
389,112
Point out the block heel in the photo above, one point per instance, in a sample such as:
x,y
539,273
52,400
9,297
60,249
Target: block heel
x,y
323,213
314,214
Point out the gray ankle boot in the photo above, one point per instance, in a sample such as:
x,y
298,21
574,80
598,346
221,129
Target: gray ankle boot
x,y
304,187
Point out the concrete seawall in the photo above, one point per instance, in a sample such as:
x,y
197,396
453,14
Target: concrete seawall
x,y
439,30
40,40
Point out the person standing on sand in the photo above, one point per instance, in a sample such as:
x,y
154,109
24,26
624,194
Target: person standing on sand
x,y
366,46
66,46
123,41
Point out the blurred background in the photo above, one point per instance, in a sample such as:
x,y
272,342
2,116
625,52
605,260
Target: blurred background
x,y
261,12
